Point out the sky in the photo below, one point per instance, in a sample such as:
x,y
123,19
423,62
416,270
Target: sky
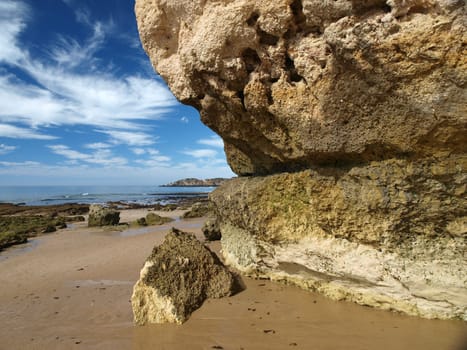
x,y
80,103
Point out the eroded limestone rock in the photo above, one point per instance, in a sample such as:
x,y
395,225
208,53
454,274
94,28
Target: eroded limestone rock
x,y
391,234
293,84
356,112
176,279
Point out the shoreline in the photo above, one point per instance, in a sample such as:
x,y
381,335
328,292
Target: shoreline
x,y
73,288
19,223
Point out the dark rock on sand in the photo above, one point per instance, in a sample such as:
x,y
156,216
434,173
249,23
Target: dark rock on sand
x,y
198,210
211,230
154,219
176,279
101,216
16,229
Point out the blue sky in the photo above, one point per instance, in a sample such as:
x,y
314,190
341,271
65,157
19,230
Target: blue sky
x,y
80,103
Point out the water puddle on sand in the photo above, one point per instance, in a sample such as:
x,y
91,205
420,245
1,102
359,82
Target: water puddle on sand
x,y
108,283
19,249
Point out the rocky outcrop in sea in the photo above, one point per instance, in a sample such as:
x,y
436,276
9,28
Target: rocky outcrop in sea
x,y
346,122
193,182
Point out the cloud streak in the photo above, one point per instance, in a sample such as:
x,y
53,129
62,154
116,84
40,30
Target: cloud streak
x,y
4,149
214,141
201,153
103,157
14,132
63,93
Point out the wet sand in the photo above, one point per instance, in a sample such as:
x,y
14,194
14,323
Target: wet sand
x,y
72,289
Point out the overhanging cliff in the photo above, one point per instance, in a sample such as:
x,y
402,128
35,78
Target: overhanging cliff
x,y
351,115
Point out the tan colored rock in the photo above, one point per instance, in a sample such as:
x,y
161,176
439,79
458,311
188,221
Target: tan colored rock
x,y
390,234
356,112
293,84
176,279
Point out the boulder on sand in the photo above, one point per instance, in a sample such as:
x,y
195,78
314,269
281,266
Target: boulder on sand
x,y
176,279
101,216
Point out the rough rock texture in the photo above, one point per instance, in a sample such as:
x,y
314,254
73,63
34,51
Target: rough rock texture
x,y
198,210
293,84
154,219
354,114
101,216
390,234
211,229
176,279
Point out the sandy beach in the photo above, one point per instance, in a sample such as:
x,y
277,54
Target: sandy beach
x,y
71,289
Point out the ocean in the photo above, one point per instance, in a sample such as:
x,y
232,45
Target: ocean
x,y
50,195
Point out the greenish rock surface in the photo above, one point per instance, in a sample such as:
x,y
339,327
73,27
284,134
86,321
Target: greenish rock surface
x,y
154,219
198,210
102,216
16,229
176,279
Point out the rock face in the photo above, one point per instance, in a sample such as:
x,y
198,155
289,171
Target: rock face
x,y
101,216
176,279
351,116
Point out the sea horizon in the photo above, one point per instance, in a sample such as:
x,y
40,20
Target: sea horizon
x,y
99,194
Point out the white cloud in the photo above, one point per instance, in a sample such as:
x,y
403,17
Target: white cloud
x,y
214,141
152,152
19,164
155,158
138,151
160,161
201,153
13,16
15,132
141,151
129,138
4,149
64,95
184,120
100,156
98,145
70,53
68,153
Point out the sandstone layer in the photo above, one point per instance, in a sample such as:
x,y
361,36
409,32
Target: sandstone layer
x,y
176,279
351,117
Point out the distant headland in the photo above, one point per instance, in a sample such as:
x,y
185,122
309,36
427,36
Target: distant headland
x,y
193,182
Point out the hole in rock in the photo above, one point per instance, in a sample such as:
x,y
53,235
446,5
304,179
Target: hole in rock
x,y
290,67
297,10
251,59
251,21
266,38
241,96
